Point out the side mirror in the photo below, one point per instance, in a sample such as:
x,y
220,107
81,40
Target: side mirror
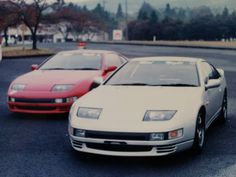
x,y
34,67
96,82
110,69
221,71
206,80
213,83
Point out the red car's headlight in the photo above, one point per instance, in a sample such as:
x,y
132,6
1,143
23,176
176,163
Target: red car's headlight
x,y
62,87
18,87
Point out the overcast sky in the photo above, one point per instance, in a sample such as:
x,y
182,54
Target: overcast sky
x,y
134,5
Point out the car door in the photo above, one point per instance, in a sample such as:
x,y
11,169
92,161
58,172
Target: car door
x,y
213,95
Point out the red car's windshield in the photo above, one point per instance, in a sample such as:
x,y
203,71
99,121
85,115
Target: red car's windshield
x,y
69,61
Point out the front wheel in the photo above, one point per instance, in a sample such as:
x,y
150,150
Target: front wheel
x,y
199,139
224,108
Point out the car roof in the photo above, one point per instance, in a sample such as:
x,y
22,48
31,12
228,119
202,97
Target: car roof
x,y
165,58
79,51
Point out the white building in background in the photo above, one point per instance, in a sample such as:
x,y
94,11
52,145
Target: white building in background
x,y
51,33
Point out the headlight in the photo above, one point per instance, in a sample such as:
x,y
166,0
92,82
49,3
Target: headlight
x,y
18,87
89,113
158,115
62,88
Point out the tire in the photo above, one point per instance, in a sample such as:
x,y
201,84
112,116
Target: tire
x,y
223,115
200,131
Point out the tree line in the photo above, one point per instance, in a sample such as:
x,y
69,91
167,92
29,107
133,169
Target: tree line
x,y
164,24
68,18
183,24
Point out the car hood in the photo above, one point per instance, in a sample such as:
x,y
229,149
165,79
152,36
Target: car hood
x,y
140,97
125,106
44,80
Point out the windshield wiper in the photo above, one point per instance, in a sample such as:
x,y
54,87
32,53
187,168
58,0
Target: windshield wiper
x,y
161,85
54,69
134,84
83,69
70,69
178,85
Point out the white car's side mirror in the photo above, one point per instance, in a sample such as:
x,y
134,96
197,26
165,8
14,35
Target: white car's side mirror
x,y
97,81
221,71
213,83
206,80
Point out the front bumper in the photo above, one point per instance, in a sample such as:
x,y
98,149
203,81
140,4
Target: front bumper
x,y
39,108
129,147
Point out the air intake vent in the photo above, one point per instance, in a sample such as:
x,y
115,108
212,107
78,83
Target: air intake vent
x,y
77,144
166,149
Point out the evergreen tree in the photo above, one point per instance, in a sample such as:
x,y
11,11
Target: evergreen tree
x,y
145,11
153,17
225,13
119,13
142,15
168,10
85,8
98,9
182,14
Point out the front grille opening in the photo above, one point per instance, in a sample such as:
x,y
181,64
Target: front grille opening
x,y
118,136
35,100
36,108
119,148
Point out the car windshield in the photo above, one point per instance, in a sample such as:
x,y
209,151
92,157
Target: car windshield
x,y
157,73
73,62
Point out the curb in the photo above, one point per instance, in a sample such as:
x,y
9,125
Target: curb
x,y
164,45
26,56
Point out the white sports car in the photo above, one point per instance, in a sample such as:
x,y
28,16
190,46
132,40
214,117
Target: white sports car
x,y
150,107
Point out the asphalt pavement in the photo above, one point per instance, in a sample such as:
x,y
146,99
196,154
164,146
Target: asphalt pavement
x,y
38,146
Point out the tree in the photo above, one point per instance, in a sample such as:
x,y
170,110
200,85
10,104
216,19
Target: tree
x,y
119,13
153,17
85,8
99,10
104,17
9,16
145,11
233,24
225,13
199,23
142,15
75,21
31,14
167,10
181,14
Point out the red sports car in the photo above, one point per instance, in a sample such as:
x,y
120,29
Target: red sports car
x,y
53,86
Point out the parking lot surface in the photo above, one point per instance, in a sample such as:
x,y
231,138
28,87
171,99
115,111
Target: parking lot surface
x,y
35,146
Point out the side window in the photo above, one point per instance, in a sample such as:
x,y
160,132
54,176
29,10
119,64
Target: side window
x,y
210,71
215,73
113,60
